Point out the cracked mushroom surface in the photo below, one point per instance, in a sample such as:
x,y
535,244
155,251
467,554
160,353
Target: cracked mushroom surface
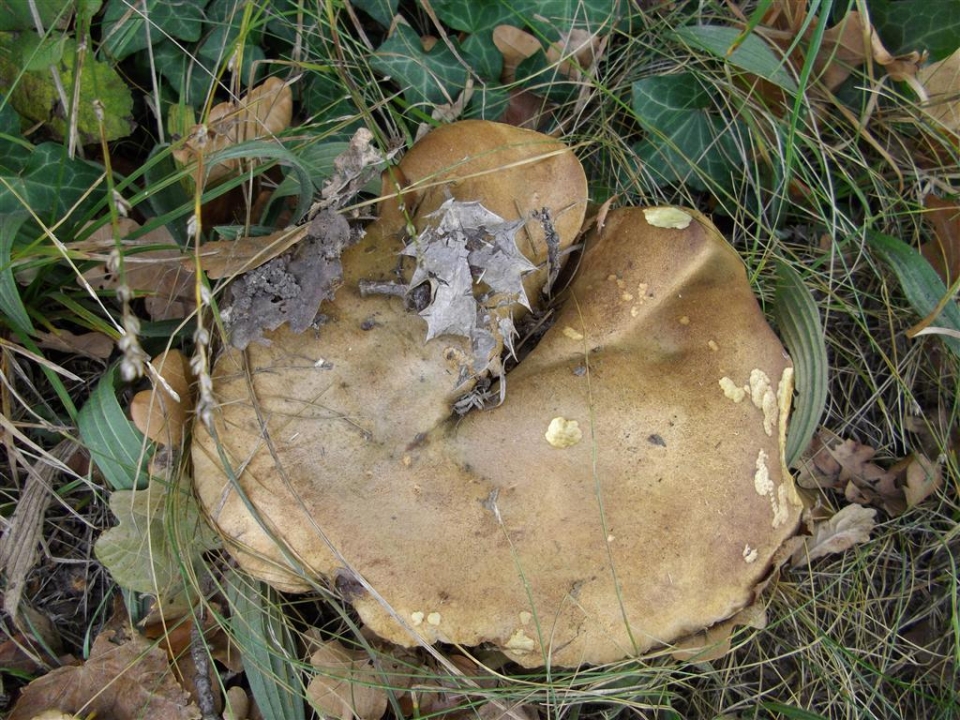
x,y
629,491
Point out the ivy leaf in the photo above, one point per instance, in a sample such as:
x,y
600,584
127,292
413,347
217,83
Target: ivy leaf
x,y
125,30
430,78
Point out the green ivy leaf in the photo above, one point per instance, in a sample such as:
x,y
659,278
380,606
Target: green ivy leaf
x,y
426,78
50,184
126,30
157,536
17,14
687,142
477,16
119,450
483,56
33,92
752,55
382,11
907,25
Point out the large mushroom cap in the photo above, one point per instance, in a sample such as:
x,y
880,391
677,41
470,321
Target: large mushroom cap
x,y
629,491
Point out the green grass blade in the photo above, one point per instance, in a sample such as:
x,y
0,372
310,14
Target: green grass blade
x,y
115,445
11,305
748,53
791,712
267,648
799,322
921,285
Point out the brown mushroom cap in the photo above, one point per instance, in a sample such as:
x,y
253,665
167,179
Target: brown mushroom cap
x,y
629,491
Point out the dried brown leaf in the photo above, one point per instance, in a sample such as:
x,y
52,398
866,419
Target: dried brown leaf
x,y
923,478
715,642
850,526
158,274
941,81
264,111
158,413
515,45
93,345
126,678
346,685
943,251
225,258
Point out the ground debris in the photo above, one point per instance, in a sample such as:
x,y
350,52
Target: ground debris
x,y
291,287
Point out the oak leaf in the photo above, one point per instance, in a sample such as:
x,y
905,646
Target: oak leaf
x,y
850,526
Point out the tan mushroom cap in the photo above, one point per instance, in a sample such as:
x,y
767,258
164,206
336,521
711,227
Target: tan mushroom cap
x,y
629,492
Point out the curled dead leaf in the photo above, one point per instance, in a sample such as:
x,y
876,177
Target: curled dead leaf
x,y
941,82
943,251
93,345
161,413
850,526
263,112
346,684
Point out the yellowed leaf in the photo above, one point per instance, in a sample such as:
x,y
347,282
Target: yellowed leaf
x,y
264,111
850,526
715,642
515,45
941,80
225,258
157,413
923,478
346,684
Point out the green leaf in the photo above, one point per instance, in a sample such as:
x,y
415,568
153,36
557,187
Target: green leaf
x,y
799,322
17,14
476,16
426,78
752,55
33,52
167,196
157,535
50,183
119,450
483,56
383,11
921,285
128,29
33,92
267,648
907,25
11,305
687,142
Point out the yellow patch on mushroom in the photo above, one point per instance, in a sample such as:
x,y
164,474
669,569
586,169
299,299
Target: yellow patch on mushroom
x,y
712,344
750,554
667,217
685,320
572,334
519,642
563,433
763,396
433,618
525,617
416,618
764,485
732,390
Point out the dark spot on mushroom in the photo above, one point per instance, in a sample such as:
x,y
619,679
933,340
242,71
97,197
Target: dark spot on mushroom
x,y
655,439
368,324
348,585
580,370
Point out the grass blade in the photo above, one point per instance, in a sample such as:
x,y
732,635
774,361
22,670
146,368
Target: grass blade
x,y
799,322
921,285
10,303
267,648
115,445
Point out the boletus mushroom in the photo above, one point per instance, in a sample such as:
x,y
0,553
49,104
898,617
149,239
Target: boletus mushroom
x,y
628,492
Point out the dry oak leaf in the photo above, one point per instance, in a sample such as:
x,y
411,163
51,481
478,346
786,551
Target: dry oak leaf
x,y
850,526
263,112
943,251
347,685
126,678
844,47
161,413
153,268
941,82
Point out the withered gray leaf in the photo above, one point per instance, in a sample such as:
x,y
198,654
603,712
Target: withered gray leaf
x,y
465,246
291,287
